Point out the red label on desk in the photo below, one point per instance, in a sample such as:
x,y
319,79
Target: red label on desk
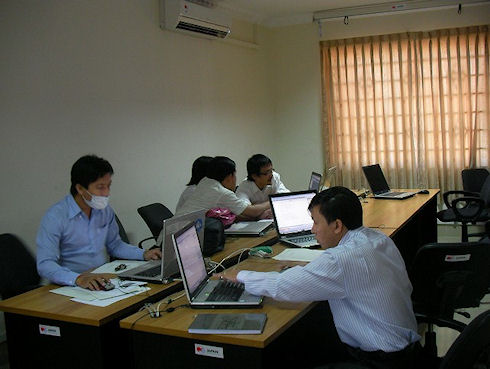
x,y
49,330
212,351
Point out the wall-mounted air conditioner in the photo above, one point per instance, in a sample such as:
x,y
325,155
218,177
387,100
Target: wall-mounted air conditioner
x,y
194,18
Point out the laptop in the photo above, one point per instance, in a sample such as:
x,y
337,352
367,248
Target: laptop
x,y
292,218
315,180
250,228
379,186
201,291
163,271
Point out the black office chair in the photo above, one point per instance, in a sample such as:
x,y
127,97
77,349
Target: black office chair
x,y
154,215
473,179
466,207
446,277
472,347
122,231
18,271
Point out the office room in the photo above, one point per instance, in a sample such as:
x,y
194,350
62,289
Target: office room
x,y
103,77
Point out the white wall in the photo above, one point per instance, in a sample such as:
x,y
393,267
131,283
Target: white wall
x,y
101,77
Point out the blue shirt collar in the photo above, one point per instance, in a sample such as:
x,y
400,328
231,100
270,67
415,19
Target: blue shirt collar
x,y
73,208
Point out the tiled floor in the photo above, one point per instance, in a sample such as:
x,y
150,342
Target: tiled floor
x,y
445,336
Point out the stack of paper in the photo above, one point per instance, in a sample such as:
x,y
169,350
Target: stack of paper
x,y
298,255
121,291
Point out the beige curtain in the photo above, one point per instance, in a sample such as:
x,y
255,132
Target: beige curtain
x,y
416,103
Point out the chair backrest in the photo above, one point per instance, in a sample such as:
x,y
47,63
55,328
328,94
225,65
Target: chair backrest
x,y
472,347
122,231
18,272
485,192
449,276
473,179
154,215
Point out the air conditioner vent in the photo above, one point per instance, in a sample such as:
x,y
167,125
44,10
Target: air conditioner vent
x,y
193,18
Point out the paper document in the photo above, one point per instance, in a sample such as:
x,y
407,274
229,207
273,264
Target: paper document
x,y
298,254
111,267
122,290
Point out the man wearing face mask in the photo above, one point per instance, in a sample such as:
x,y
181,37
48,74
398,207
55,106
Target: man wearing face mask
x,y
77,233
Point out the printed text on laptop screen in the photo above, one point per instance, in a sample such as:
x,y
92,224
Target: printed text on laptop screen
x,y
292,213
191,258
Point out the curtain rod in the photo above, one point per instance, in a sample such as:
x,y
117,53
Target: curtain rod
x,y
392,8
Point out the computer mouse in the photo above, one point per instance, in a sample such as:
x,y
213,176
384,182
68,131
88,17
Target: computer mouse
x,y
425,192
108,286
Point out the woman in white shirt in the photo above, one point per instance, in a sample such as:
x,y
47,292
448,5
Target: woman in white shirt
x,y
199,168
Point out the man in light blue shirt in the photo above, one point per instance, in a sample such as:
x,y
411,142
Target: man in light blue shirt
x,y
77,233
362,275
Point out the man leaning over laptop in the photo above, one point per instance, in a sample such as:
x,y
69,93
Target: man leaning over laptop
x,y
76,232
362,275
217,190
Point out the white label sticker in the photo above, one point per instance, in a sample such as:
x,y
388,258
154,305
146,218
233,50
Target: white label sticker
x,y
453,258
49,330
212,351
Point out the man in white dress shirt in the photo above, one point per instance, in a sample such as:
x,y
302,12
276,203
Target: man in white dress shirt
x,y
217,190
362,275
261,181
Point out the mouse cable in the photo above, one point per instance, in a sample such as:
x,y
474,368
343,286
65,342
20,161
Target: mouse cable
x,y
220,264
139,318
167,302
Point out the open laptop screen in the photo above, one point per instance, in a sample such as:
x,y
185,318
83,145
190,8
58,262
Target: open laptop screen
x,y
315,180
190,256
376,179
291,211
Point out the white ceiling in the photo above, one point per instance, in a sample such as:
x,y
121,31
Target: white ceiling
x,y
284,12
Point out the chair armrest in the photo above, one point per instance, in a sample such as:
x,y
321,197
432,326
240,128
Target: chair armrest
x,y
445,196
467,201
440,322
140,244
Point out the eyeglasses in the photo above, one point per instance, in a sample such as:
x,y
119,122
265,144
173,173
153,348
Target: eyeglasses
x,y
267,173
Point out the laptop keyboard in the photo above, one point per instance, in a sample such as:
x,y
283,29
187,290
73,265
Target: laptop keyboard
x,y
226,291
392,194
152,272
303,239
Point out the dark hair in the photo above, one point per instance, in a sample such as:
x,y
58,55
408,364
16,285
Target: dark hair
x,y
220,167
88,169
339,203
199,169
255,164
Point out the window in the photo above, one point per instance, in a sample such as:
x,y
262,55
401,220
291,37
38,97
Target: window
x,y
417,103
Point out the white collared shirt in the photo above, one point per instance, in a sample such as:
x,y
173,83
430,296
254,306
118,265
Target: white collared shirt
x,y
209,194
365,282
248,190
184,196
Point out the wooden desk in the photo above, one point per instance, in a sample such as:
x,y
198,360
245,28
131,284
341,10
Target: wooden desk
x,y
89,336
411,223
233,244
282,344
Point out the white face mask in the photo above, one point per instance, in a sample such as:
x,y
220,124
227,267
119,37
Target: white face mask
x,y
97,202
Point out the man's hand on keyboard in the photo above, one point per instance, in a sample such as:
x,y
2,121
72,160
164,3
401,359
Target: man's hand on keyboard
x,y
228,274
